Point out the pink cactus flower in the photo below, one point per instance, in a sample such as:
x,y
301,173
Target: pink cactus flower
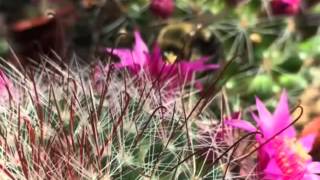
x,y
162,8
285,7
169,75
284,157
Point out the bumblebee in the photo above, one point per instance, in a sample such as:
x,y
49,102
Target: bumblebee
x,y
186,39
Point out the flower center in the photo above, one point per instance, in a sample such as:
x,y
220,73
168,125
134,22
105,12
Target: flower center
x,y
291,156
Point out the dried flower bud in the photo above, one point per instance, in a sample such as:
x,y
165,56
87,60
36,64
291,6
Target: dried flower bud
x,y
285,7
162,8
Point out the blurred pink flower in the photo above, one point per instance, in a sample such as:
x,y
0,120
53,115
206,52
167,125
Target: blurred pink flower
x,y
285,7
162,8
170,75
284,157
6,87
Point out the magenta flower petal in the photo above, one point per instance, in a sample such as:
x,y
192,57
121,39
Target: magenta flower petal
x,y
140,48
155,64
310,177
256,119
127,56
314,167
273,169
133,57
245,125
263,157
282,110
307,141
265,120
282,117
198,65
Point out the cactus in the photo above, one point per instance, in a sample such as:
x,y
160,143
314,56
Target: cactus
x,y
61,126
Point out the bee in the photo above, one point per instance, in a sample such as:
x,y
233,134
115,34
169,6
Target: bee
x,y
186,39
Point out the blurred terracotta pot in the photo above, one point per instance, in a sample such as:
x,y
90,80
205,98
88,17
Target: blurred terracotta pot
x,y
44,35
34,37
313,127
